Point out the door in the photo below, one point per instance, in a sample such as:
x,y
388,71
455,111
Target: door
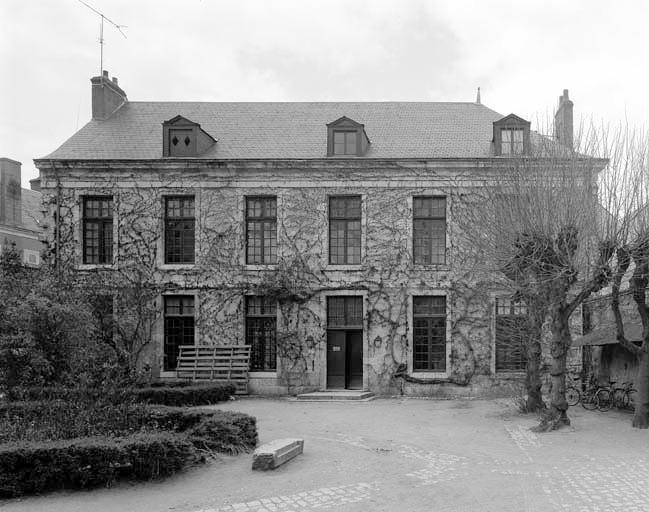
x,y
336,350
354,356
344,359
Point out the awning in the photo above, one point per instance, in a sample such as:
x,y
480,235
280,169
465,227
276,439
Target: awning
x,y
607,335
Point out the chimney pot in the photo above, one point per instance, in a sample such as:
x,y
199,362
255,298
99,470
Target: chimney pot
x,y
107,96
563,124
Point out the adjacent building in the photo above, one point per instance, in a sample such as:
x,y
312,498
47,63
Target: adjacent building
x,y
324,235
20,214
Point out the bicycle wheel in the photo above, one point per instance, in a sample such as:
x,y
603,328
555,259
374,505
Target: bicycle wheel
x,y
604,400
572,395
618,398
629,400
589,400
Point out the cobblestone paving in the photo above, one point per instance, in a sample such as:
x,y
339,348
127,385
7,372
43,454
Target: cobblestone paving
x,y
326,497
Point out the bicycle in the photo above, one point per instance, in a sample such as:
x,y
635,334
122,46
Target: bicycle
x,y
624,397
573,395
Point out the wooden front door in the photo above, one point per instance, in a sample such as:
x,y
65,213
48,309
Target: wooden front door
x,y
344,359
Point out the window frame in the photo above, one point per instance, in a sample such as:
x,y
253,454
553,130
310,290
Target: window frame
x,y
271,344
511,123
105,252
263,219
516,310
431,317
347,221
184,258
349,149
166,317
432,219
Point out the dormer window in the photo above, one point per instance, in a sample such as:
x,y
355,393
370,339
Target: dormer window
x,y
346,137
511,140
511,136
345,142
184,138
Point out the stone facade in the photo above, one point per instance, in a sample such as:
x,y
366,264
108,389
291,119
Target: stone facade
x,y
131,169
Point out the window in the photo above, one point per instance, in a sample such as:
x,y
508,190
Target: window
x,y
345,230
429,230
345,312
179,327
512,329
261,230
179,229
511,136
429,333
97,230
261,333
512,141
346,137
183,138
345,143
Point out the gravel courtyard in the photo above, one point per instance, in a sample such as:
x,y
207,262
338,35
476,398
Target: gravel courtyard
x,y
401,455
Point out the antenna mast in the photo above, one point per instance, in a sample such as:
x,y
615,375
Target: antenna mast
x,y
101,34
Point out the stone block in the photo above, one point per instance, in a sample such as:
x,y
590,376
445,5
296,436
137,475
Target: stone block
x,y
274,454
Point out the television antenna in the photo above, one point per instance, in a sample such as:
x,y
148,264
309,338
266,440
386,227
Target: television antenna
x,y
101,34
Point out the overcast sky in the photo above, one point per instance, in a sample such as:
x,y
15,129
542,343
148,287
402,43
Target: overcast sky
x,y
521,53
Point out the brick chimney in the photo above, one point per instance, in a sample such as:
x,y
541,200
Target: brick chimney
x,y
107,96
563,121
10,192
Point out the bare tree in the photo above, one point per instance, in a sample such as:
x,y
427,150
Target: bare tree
x,y
632,254
539,222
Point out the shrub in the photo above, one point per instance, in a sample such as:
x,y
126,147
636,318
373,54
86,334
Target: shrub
x,y
88,462
226,432
185,395
222,431
47,420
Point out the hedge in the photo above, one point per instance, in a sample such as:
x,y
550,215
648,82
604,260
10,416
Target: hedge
x,y
222,431
185,395
171,393
30,467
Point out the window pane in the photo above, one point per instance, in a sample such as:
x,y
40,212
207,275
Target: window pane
x,y
506,135
429,333
179,327
350,143
345,312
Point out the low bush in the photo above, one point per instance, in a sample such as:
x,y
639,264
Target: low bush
x,y
185,395
48,420
29,467
221,431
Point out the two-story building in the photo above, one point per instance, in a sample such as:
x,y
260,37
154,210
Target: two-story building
x,y
20,214
324,235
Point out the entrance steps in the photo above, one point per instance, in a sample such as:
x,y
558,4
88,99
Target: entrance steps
x,y
342,395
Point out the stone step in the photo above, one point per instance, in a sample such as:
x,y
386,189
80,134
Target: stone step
x,y
274,454
336,396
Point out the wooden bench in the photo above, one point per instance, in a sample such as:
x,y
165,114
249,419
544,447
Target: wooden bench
x,y
276,453
225,363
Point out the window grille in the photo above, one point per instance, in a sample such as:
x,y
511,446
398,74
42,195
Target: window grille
x,y
261,230
179,229
261,333
429,230
178,328
345,230
97,230
429,333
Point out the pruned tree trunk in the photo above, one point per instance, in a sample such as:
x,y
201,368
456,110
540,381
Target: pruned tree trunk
x,y
557,415
533,374
641,416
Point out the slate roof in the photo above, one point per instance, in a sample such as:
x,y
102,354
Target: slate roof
x,y
31,201
290,130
